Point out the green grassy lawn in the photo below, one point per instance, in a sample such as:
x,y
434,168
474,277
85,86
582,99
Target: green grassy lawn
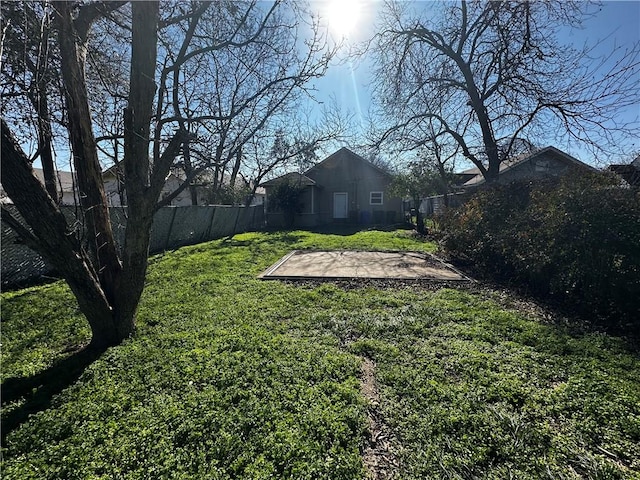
x,y
232,377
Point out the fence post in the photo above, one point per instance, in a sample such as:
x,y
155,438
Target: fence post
x,y
166,243
235,223
213,215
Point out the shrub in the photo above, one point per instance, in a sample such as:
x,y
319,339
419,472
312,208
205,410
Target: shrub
x,y
577,238
286,197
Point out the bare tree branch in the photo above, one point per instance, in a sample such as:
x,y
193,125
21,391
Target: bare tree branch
x,y
503,75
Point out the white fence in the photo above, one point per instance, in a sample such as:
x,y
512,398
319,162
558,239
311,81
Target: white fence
x,y
173,227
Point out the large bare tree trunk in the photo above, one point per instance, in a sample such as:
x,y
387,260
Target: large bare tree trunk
x,y
142,187
235,170
73,50
53,239
107,291
480,109
41,106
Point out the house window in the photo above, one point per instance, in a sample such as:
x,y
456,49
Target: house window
x,y
375,198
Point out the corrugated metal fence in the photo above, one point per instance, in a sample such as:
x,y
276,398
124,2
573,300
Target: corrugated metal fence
x,y
173,227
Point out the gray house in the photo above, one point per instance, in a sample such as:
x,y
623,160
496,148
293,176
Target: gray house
x,y
343,188
545,162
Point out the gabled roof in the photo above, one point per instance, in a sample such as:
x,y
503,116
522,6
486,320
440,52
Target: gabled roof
x,y
292,177
352,154
65,180
117,171
112,170
507,165
629,172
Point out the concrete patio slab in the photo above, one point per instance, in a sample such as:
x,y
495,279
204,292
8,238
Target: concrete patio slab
x,y
301,264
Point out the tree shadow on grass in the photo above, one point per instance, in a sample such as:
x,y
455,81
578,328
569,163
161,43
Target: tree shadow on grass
x,y
37,391
348,229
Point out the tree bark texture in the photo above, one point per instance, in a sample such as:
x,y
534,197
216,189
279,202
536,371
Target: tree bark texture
x,y
54,239
73,50
141,187
107,291
45,147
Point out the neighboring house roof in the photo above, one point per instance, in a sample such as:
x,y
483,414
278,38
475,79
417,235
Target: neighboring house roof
x,y
112,170
292,177
472,177
461,178
115,172
629,172
65,183
331,157
65,180
203,179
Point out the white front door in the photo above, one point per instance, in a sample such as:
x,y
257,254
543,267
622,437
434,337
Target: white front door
x,y
340,205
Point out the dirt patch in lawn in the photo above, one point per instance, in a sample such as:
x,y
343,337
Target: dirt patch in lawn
x,y
379,459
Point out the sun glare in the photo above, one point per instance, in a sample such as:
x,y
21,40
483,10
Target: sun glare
x,y
343,16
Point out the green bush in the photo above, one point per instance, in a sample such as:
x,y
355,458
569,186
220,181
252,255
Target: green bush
x,y
577,238
286,197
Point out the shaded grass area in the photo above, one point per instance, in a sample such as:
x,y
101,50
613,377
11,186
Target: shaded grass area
x,y
40,325
232,377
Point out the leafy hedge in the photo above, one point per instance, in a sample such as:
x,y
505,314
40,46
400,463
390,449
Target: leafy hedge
x,y
577,238
286,197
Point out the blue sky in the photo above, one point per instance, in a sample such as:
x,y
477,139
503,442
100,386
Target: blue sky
x,y
613,23
348,83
